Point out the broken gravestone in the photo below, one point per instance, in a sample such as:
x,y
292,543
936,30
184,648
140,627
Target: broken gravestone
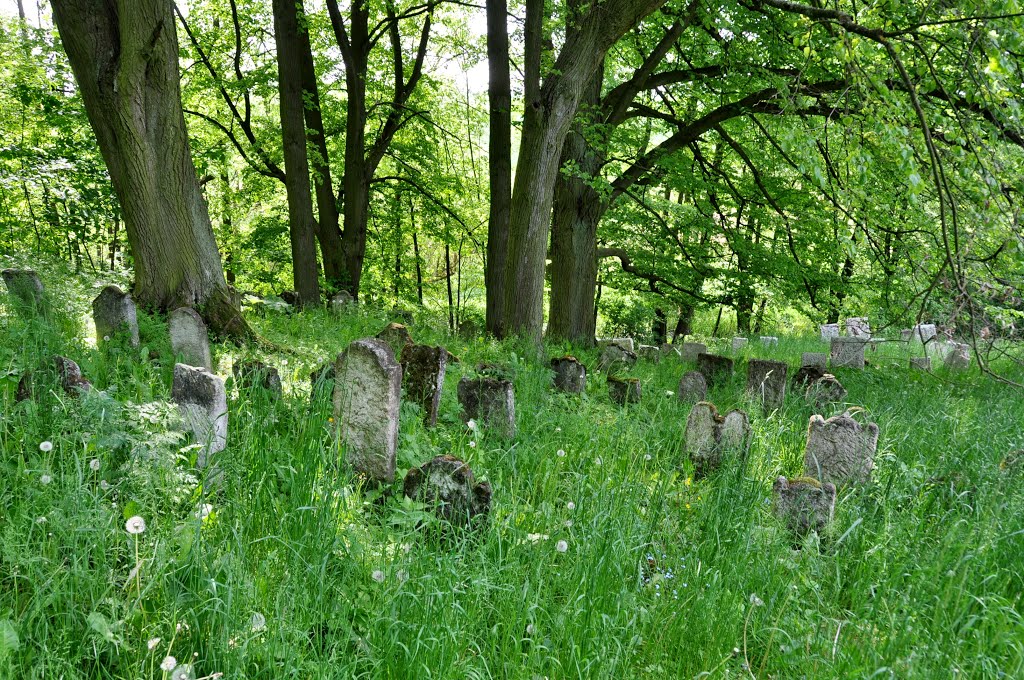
x,y
858,327
692,387
367,394
829,331
766,380
616,356
669,350
807,375
624,390
70,376
254,374
711,438
570,375
26,289
819,359
690,350
824,391
921,363
738,344
446,485
490,401
848,352
649,353
203,404
423,371
923,332
958,355
189,339
803,503
397,337
113,313
715,369
840,450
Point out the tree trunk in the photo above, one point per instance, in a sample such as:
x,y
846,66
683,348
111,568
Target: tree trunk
x,y
684,325
124,54
499,94
660,327
302,226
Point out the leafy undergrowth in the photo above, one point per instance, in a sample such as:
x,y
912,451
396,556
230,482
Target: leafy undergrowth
x,y
289,568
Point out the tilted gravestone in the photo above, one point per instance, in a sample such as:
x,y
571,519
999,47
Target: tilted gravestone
x,y
819,359
921,363
711,438
924,332
825,390
766,380
446,485
858,327
692,387
490,402
397,337
840,450
958,355
715,369
848,352
829,331
113,313
367,395
252,374
27,290
649,353
341,302
70,376
625,343
570,375
691,350
803,504
189,339
203,404
616,356
738,344
423,371
624,390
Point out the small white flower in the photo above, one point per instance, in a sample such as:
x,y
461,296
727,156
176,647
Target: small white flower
x,y
45,479
669,393
561,546
529,629
182,672
46,446
472,444
570,505
204,511
561,453
471,424
647,457
94,464
135,525
258,622
558,429
755,600
106,338
41,520
153,642
168,664
104,484
377,576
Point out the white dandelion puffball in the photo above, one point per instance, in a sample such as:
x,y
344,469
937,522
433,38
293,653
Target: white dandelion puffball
x,y
153,642
182,672
46,446
561,453
570,505
135,525
258,622
378,576
471,424
472,444
168,664
204,511
647,457
561,546
558,429
94,464
45,479
41,520
104,484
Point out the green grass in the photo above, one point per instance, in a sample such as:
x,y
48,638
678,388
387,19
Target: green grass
x,y
920,574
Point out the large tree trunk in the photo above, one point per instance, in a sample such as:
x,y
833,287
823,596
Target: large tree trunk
x,y
302,226
499,93
124,54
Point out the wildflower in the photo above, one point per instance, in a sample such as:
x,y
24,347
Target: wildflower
x,y
561,453
168,664
377,576
755,600
45,479
647,457
558,429
104,484
561,546
687,506
669,393
94,464
40,520
529,629
537,537
471,424
331,419
106,338
204,511
258,622
182,672
570,505
153,642
135,525
689,481
46,446
472,444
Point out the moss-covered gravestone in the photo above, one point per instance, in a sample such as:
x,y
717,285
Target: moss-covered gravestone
x,y
840,450
114,315
803,504
447,487
423,371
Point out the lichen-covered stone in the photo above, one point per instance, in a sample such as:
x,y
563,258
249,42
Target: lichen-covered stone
x,y
624,343
423,371
766,381
739,343
829,331
570,375
958,355
858,327
769,340
70,376
803,504
190,341
649,353
711,438
615,357
848,352
716,369
840,450
624,391
490,402
252,374
447,486
397,338
819,359
692,387
203,404
114,315
691,350
825,390
26,289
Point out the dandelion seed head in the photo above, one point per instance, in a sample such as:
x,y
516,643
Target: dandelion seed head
x,y
570,505
471,424
153,642
135,525
45,479
561,453
377,576
104,484
46,446
183,672
561,546
94,464
168,664
472,444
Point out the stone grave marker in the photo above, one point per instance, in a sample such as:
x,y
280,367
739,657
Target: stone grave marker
x,y
840,450
423,371
341,301
624,390
203,404
819,359
25,286
769,340
570,375
848,352
189,339
669,350
114,315
738,344
715,369
692,349
958,355
766,380
825,390
367,393
807,375
70,376
803,504
491,402
829,331
921,363
649,353
616,356
397,337
924,332
253,374
858,327
625,343
692,387
447,487
711,438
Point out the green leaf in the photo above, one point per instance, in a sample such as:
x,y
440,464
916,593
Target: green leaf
x,y
9,640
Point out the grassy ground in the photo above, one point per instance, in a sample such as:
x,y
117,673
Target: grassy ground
x,y
293,571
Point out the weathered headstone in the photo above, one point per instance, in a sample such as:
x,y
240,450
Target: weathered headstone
x,y
570,375
113,313
692,387
26,288
404,316
624,390
669,350
397,337
819,359
367,393
840,450
625,343
341,301
70,376
203,404
738,344
829,331
189,339
825,390
715,369
423,371
848,352
803,504
690,350
490,402
710,438
253,374
905,334
766,380
958,355
616,356
921,363
469,329
769,340
806,375
649,353
924,332
858,327
446,485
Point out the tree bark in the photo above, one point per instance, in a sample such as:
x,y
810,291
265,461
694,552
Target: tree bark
x,y
302,225
499,94
124,54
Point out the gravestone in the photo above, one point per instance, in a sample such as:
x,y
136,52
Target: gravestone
x,y
905,334
858,327
766,380
423,371
113,313
367,393
649,353
469,329
715,369
397,337
807,375
203,404
692,387
252,374
624,390
570,375
803,504
447,487
829,331
70,376
616,356
669,350
840,450
958,355
24,391
692,349
711,438
26,288
290,297
924,332
738,344
769,340
825,390
625,343
848,352
491,402
341,301
189,339
819,359
921,363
